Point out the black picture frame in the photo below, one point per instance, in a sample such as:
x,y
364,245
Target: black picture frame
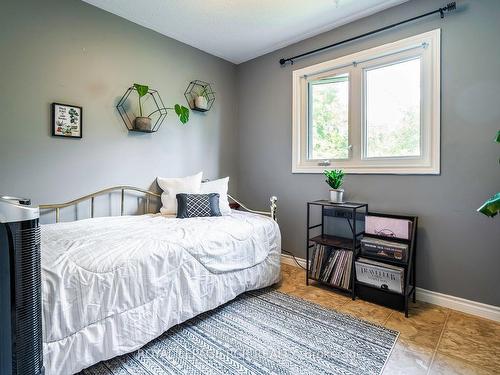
x,y
67,121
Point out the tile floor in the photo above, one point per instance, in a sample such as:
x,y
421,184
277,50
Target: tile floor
x,y
433,340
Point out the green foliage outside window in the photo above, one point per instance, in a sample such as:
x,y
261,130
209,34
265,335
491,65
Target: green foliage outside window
x,y
329,131
400,140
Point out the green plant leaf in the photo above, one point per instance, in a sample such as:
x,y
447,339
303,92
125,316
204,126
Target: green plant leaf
x,y
182,112
334,178
141,89
491,207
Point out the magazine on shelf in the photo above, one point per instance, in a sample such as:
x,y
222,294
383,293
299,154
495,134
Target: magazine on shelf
x,y
381,275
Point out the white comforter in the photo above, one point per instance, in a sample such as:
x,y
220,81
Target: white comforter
x,y
112,284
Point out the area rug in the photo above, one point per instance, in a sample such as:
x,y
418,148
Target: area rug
x,y
261,332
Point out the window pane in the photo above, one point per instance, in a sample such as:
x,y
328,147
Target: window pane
x,y
393,110
328,118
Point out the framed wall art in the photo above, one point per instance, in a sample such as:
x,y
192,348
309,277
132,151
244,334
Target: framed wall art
x,y
67,120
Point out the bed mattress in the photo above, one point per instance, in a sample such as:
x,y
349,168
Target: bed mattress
x,y
112,284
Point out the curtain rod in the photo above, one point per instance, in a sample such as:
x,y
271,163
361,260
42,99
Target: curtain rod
x,y
448,8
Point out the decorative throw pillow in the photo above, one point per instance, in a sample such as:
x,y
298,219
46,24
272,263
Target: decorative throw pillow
x,y
173,186
197,205
219,186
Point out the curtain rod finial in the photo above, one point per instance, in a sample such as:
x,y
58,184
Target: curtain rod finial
x,y
282,62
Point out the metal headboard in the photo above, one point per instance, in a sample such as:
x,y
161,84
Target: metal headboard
x,y
148,194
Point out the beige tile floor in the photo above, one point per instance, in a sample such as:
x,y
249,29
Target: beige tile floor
x,y
433,340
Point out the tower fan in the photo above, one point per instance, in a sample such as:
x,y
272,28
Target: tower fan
x,y
21,350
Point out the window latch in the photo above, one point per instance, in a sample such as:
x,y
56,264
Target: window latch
x,y
324,163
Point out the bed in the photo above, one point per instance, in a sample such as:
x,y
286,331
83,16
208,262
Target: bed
x,y
112,284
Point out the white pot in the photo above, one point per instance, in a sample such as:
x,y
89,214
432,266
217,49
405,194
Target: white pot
x,y
337,195
201,102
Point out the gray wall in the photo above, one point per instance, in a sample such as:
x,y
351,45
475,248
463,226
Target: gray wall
x,y
459,250
70,52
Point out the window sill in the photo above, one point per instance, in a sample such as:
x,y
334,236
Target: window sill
x,y
434,170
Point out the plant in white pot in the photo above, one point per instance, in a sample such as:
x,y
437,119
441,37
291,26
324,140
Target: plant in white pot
x,y
201,100
335,178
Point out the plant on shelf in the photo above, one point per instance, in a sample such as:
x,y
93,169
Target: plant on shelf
x,y
202,99
335,179
492,206
143,123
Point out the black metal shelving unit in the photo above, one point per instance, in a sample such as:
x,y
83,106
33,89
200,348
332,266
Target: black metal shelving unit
x,y
386,297
351,212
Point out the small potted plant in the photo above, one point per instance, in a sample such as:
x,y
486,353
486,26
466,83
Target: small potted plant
x,y
201,100
335,178
141,122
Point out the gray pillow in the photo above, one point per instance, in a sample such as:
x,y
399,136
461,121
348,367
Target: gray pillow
x,y
197,205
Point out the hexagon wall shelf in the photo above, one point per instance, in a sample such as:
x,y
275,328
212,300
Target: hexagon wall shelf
x,y
200,96
129,108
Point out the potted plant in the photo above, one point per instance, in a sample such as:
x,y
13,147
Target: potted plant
x,y
335,178
143,123
201,100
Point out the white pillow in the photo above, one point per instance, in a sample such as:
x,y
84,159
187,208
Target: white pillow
x,y
218,186
175,185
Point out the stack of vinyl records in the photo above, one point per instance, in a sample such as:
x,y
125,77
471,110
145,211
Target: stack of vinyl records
x,y
381,275
384,249
331,266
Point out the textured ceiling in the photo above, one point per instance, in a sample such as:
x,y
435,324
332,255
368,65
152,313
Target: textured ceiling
x,y
240,30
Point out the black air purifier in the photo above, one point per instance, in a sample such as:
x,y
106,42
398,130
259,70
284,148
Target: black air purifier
x,y
21,350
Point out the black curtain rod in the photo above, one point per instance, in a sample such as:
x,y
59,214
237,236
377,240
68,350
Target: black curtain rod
x,y
448,8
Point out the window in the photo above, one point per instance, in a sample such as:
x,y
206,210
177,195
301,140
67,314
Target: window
x,y
376,111
329,118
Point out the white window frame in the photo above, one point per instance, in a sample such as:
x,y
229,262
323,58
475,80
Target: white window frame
x,y
425,46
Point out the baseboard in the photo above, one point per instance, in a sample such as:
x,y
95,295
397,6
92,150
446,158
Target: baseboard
x,y
460,304
288,259
456,303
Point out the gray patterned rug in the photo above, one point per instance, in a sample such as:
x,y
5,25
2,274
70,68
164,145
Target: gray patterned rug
x,y
261,332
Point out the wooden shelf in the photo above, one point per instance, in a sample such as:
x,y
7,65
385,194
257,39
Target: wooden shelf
x,y
335,241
